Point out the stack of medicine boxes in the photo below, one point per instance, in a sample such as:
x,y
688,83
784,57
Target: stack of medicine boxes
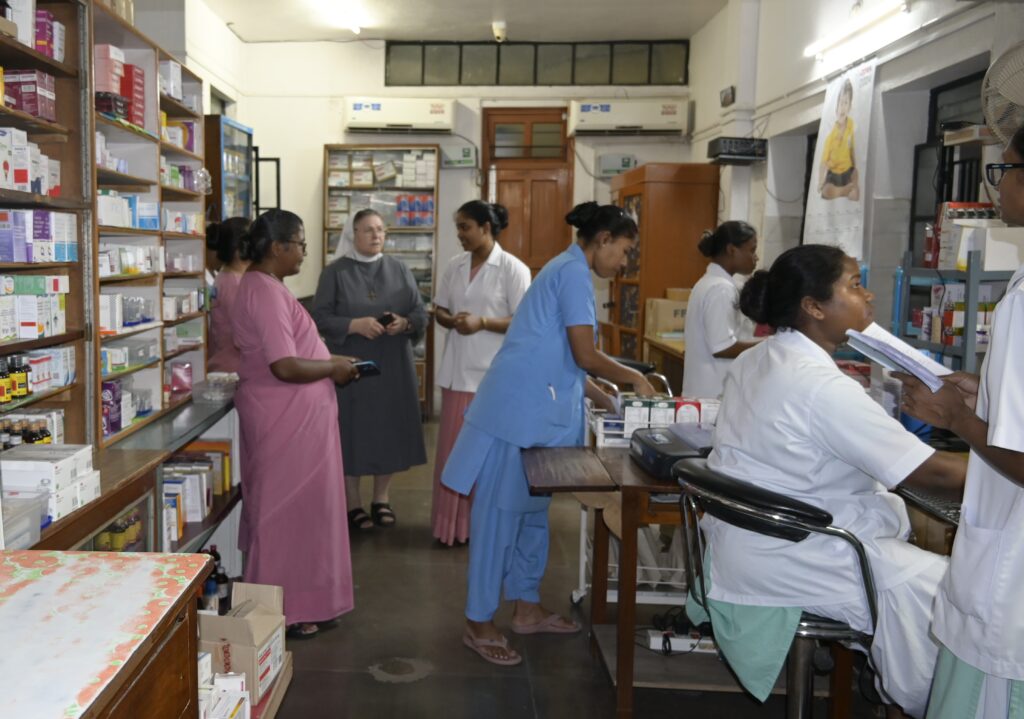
x,y
62,473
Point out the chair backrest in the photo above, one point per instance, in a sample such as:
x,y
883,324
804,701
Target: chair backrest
x,y
746,505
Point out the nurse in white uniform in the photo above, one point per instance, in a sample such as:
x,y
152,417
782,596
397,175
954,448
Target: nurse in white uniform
x,y
793,423
716,331
479,292
979,613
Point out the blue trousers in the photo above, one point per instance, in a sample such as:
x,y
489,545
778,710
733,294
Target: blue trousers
x,y
508,529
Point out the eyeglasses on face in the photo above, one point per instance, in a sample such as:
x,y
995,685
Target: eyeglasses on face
x,y
996,171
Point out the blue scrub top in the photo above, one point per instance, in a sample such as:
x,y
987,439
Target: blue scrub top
x,y
532,396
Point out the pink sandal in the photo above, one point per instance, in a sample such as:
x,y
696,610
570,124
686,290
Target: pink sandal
x,y
480,645
548,625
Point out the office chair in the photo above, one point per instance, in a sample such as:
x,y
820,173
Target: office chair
x,y
755,509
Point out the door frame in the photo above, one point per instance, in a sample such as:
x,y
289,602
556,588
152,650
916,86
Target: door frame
x,y
524,163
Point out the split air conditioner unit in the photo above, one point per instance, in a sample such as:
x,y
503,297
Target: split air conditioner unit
x,y
640,116
399,115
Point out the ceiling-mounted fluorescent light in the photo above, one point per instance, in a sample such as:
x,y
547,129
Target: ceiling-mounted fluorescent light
x,y
865,19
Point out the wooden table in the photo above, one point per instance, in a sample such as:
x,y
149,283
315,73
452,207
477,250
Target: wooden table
x,y
100,634
580,469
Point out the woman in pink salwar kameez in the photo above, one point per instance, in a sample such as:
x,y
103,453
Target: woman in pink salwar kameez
x,y
293,527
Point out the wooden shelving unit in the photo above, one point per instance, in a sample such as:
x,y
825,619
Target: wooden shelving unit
x,y
672,204
414,244
143,148
62,140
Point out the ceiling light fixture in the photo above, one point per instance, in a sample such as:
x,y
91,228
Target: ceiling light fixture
x,y
863,20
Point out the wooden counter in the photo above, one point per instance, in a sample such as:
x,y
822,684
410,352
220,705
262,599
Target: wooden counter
x,y
99,634
125,475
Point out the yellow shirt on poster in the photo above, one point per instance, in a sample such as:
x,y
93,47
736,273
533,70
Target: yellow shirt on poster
x,y
838,154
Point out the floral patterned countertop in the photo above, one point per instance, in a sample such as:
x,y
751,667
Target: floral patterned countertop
x,y
70,621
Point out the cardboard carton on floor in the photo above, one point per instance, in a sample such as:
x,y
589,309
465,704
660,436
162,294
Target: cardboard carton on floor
x,y
249,638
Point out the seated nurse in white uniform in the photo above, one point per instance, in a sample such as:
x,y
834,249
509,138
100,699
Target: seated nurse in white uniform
x,y
716,331
793,423
978,614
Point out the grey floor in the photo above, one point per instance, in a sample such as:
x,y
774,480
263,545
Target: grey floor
x,y
399,653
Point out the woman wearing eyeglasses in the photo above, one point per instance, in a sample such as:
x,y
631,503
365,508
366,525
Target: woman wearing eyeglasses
x,y
978,616
368,305
293,531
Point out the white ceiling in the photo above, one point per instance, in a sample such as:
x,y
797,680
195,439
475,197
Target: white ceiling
x,y
465,20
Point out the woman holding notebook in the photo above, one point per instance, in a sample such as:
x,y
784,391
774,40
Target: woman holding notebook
x,y
978,618
821,439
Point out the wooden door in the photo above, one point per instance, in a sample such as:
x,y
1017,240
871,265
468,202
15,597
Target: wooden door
x,y
531,156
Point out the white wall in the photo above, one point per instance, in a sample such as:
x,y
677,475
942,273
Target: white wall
x,y
936,42
294,112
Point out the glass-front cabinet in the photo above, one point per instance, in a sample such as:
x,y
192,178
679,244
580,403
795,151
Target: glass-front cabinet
x,y
229,157
132,530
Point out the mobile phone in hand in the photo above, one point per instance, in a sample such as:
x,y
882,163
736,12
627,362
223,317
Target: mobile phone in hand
x,y
367,368
386,319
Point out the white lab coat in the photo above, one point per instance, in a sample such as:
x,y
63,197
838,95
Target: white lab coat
x,y
978,614
793,423
496,291
713,323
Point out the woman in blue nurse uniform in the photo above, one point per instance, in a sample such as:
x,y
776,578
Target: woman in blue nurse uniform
x,y
979,610
532,396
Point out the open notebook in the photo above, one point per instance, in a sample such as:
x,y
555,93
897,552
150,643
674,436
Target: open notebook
x,y
893,353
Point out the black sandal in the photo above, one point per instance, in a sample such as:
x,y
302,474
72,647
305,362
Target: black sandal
x,y
299,631
382,511
359,520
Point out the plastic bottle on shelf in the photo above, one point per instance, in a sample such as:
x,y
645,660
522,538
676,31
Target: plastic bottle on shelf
x,y
5,382
19,377
16,438
44,433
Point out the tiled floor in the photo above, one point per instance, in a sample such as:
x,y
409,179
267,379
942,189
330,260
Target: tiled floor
x,y
399,652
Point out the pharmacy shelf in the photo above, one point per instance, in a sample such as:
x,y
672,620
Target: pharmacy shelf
x,y
111,230
16,346
31,199
129,331
36,127
956,275
124,128
182,275
183,351
130,370
137,424
175,151
196,534
184,318
112,179
178,402
171,235
28,266
14,54
176,109
16,404
179,193
129,279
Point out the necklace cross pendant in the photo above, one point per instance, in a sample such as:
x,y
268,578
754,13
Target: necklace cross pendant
x,y
371,295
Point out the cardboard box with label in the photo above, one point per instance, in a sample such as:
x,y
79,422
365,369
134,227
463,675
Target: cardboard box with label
x,y
250,638
663,316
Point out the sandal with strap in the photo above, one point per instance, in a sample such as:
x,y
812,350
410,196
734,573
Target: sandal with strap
x,y
359,520
481,646
383,515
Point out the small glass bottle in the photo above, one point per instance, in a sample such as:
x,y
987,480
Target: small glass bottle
x,y
44,433
16,438
5,382
19,377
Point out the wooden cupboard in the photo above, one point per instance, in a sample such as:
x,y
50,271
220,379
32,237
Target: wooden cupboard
x,y
673,204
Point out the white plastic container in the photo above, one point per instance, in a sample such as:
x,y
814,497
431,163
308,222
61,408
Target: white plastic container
x,y
23,516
